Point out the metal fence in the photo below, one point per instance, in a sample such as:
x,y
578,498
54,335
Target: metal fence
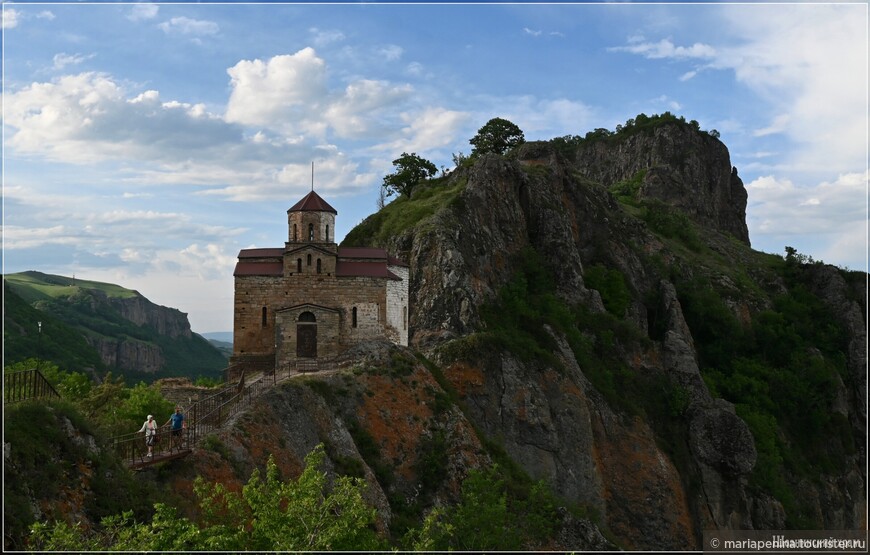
x,y
26,384
203,418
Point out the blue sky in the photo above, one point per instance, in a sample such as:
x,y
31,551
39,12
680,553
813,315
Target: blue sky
x,y
145,144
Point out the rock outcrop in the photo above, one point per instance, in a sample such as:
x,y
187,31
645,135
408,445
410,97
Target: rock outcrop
x,y
551,419
680,167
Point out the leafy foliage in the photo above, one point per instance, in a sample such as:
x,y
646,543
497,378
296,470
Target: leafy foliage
x,y
497,136
306,514
641,123
410,171
782,372
611,285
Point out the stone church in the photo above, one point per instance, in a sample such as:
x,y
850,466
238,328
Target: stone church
x,y
299,306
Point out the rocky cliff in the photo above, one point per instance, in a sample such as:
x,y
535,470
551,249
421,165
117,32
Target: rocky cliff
x,y
126,331
621,416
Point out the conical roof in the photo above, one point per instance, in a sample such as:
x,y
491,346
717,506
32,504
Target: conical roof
x,y
312,203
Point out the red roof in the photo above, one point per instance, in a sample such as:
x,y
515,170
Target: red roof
x,y
261,253
259,269
361,252
312,203
363,269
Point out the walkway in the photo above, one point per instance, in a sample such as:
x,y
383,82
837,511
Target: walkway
x,y
203,418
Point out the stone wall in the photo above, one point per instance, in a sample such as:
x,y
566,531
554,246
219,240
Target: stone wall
x,y
282,298
397,306
323,222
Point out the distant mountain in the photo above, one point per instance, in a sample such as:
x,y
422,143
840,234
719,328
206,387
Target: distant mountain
x,y
96,326
221,336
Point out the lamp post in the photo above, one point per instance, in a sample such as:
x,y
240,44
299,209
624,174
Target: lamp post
x,y
38,345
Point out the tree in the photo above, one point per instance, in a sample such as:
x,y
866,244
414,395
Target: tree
x,y
410,171
307,514
497,136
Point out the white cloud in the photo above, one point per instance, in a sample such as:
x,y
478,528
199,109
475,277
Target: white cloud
x,y
143,11
810,62
324,37
390,52
778,207
10,18
187,26
532,32
63,59
665,48
45,14
283,91
430,129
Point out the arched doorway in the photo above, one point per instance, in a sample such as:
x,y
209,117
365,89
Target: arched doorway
x,y
306,336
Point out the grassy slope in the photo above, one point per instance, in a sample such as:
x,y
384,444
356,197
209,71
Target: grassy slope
x,y
68,315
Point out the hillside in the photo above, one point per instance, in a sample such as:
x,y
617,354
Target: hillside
x,y
597,304
592,331
93,326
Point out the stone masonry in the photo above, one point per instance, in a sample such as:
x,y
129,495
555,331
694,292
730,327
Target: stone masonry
x,y
311,300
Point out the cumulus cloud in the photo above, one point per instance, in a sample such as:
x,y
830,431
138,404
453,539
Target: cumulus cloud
x,y
429,129
284,90
45,14
777,206
289,95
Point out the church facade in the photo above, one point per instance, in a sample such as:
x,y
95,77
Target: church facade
x,y
299,306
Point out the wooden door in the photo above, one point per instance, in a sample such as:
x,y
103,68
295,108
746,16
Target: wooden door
x,y
306,340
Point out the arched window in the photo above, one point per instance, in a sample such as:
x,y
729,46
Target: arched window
x,y
264,317
311,232
294,233
353,317
327,233
307,317
309,260
318,265
298,265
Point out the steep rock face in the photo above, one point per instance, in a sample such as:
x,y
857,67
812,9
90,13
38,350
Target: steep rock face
x,y
128,354
684,168
167,321
556,425
379,421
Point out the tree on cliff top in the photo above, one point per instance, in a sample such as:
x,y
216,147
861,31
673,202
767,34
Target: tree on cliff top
x,y
410,170
497,136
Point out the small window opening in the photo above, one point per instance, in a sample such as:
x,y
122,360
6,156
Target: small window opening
x,y
318,265
327,233
264,316
405,317
309,260
294,232
353,317
298,265
311,232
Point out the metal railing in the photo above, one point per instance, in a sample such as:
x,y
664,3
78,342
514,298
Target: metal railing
x,y
203,418
26,384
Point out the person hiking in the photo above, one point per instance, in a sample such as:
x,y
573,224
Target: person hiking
x,y
150,429
178,425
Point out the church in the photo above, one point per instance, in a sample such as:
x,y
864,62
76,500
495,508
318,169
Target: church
x,y
299,306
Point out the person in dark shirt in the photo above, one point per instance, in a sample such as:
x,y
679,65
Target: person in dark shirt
x,y
178,426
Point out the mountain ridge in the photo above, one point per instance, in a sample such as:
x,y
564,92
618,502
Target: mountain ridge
x,y
129,334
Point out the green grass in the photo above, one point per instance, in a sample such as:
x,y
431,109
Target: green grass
x,y
405,213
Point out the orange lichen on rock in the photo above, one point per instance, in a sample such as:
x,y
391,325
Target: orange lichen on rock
x,y
465,377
